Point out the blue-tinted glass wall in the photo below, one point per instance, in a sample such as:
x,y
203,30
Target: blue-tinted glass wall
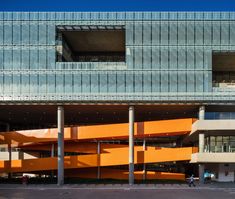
x,y
166,54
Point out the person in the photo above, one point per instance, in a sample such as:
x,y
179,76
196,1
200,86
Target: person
x,y
191,181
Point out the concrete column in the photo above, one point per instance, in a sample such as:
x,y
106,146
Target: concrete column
x,y
201,173
131,145
10,158
144,165
52,155
201,114
98,154
60,123
201,142
52,150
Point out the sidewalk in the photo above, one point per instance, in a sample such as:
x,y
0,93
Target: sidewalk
x,y
214,185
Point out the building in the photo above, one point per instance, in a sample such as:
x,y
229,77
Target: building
x,y
92,68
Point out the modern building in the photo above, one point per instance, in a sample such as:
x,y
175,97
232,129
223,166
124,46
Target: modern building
x,y
69,69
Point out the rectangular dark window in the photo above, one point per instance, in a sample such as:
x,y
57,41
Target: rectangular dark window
x,y
90,43
223,69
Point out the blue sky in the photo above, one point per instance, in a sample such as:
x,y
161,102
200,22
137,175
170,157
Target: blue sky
x,y
118,5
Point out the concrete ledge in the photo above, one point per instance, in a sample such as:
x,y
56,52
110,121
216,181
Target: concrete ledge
x,y
210,127
212,158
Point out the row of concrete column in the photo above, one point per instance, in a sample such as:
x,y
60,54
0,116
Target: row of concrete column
x,y
60,125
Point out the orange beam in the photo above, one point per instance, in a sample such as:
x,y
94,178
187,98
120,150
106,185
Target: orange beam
x,y
100,132
116,157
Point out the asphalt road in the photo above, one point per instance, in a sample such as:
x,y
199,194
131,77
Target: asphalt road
x,y
44,192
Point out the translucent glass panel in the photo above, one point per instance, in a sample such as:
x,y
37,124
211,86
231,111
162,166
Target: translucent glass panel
x,y
27,58
27,33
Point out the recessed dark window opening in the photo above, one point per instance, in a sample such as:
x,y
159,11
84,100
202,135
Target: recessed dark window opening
x,y
91,44
223,69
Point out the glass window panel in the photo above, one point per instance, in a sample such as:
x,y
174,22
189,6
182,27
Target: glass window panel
x,y
138,82
25,83
120,83
7,84
51,58
25,58
51,83
86,83
25,33
199,82
155,33
16,59
173,32
16,34
199,33
164,82
207,33
33,59
216,32
173,81
147,82
42,83
164,33
190,58
129,83
1,59
164,58
190,32
42,59
7,33
181,81
16,84
103,83
190,82
77,80
129,33
147,34
156,82
51,34
138,58
8,58
42,34
147,58
112,83
59,83
33,28
68,83
33,83
155,58
138,33
94,83
173,58
181,32
1,84
225,33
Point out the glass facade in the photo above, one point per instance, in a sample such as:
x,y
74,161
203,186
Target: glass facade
x,y
168,57
220,144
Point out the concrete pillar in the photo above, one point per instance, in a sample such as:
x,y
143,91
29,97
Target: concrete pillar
x,y
201,142
52,155
98,154
52,150
201,173
201,114
60,123
131,145
9,151
10,158
144,165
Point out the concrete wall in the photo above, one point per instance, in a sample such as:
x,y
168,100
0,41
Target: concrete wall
x,y
226,173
